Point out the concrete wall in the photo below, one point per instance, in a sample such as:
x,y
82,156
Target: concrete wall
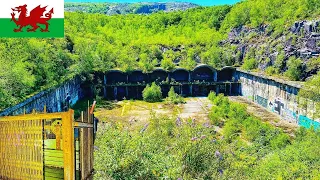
x,y
197,82
52,98
277,96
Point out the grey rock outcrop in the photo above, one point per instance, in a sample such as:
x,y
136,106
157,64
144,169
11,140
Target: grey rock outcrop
x,y
301,40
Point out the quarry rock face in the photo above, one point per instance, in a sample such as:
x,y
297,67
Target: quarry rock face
x,y
307,27
133,8
301,40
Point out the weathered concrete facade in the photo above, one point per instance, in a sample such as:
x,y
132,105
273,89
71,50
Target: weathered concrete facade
x,y
198,82
277,96
52,98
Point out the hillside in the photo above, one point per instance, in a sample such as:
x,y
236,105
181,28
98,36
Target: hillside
x,y
128,8
256,35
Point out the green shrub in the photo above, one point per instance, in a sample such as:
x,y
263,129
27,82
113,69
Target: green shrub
x,y
313,63
152,93
174,98
212,96
294,71
200,160
271,71
251,128
167,64
231,129
279,62
249,64
237,110
220,100
279,141
216,116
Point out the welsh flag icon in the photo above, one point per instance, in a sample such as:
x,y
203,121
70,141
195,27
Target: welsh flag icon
x,y
32,18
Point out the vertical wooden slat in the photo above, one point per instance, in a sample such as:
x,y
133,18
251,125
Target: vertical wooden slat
x,y
86,155
68,145
20,149
90,145
86,145
82,156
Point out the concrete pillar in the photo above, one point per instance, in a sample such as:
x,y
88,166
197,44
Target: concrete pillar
x,y
217,89
234,76
230,89
127,92
215,76
115,92
190,88
105,86
180,89
137,92
104,92
253,88
225,89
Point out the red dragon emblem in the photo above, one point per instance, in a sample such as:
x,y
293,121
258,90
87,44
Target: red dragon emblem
x,y
35,18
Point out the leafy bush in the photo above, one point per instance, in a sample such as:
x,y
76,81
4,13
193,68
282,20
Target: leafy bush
x,y
174,98
249,64
271,71
310,91
167,64
220,100
212,96
294,71
216,116
152,93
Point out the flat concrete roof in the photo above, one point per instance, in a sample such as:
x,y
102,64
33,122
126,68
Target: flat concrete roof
x,y
297,84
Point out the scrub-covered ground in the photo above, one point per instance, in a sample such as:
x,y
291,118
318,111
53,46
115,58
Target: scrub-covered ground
x,y
137,113
210,138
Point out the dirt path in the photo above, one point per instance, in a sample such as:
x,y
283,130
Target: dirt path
x,y
265,115
138,113
197,108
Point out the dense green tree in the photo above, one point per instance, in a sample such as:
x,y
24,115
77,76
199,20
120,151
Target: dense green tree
x,y
294,69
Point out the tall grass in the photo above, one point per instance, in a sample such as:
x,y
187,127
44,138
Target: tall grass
x,y
171,148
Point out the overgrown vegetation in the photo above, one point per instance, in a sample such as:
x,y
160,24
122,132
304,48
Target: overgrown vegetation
x,y
126,8
172,148
311,94
152,93
294,69
96,42
174,98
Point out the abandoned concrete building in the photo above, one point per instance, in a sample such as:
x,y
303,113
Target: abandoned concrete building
x,y
198,82
275,95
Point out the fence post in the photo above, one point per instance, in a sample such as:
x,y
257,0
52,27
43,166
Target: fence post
x,y
68,145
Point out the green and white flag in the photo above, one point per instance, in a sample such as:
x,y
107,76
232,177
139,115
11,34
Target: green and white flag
x,y
32,18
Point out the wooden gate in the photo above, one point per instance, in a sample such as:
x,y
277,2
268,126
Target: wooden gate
x,y
43,146
84,141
